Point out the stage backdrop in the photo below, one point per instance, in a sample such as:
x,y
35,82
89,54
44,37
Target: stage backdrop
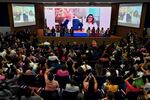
x,y
59,15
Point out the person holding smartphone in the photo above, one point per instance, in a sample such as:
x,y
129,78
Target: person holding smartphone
x,y
90,87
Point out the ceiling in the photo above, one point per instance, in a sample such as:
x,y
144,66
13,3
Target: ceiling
x,y
98,1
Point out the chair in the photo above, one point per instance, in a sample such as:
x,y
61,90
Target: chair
x,y
50,95
132,95
69,95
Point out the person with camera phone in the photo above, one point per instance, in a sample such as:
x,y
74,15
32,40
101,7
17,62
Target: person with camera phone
x,y
90,87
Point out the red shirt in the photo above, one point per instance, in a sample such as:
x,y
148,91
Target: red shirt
x,y
131,88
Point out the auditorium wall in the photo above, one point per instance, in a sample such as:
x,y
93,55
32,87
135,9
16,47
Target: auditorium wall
x,y
114,16
147,20
4,19
121,31
148,32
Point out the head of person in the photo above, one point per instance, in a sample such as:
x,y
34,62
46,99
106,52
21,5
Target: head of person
x,y
70,16
72,82
63,68
50,76
135,14
27,92
31,13
90,18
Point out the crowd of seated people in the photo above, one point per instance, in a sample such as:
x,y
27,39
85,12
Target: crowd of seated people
x,y
117,71
64,31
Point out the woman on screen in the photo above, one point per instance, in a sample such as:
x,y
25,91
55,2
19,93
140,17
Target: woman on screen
x,y
90,22
136,18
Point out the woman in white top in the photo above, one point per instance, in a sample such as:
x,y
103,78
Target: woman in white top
x,y
90,22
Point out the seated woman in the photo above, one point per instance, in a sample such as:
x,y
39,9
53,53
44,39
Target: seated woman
x,y
90,87
51,87
132,92
72,54
63,72
53,60
71,91
71,87
110,86
50,83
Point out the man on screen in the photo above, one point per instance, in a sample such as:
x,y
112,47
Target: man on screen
x,y
72,21
25,16
68,20
127,17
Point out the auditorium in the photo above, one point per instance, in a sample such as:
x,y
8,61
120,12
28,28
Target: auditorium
x,y
75,50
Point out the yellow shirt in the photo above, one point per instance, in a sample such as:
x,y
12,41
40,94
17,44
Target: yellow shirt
x,y
112,88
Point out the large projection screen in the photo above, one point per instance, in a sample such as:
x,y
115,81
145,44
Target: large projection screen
x,y
130,15
23,15
57,15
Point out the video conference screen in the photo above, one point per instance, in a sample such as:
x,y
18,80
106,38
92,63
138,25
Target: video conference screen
x,y
130,15
23,14
78,16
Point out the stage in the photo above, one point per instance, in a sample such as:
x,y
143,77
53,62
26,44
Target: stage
x,y
79,40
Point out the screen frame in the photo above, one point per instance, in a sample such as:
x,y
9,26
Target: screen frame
x,y
130,4
13,23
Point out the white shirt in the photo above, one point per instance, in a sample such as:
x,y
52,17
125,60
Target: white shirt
x,y
147,87
53,58
46,43
3,54
70,88
87,25
85,67
12,52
